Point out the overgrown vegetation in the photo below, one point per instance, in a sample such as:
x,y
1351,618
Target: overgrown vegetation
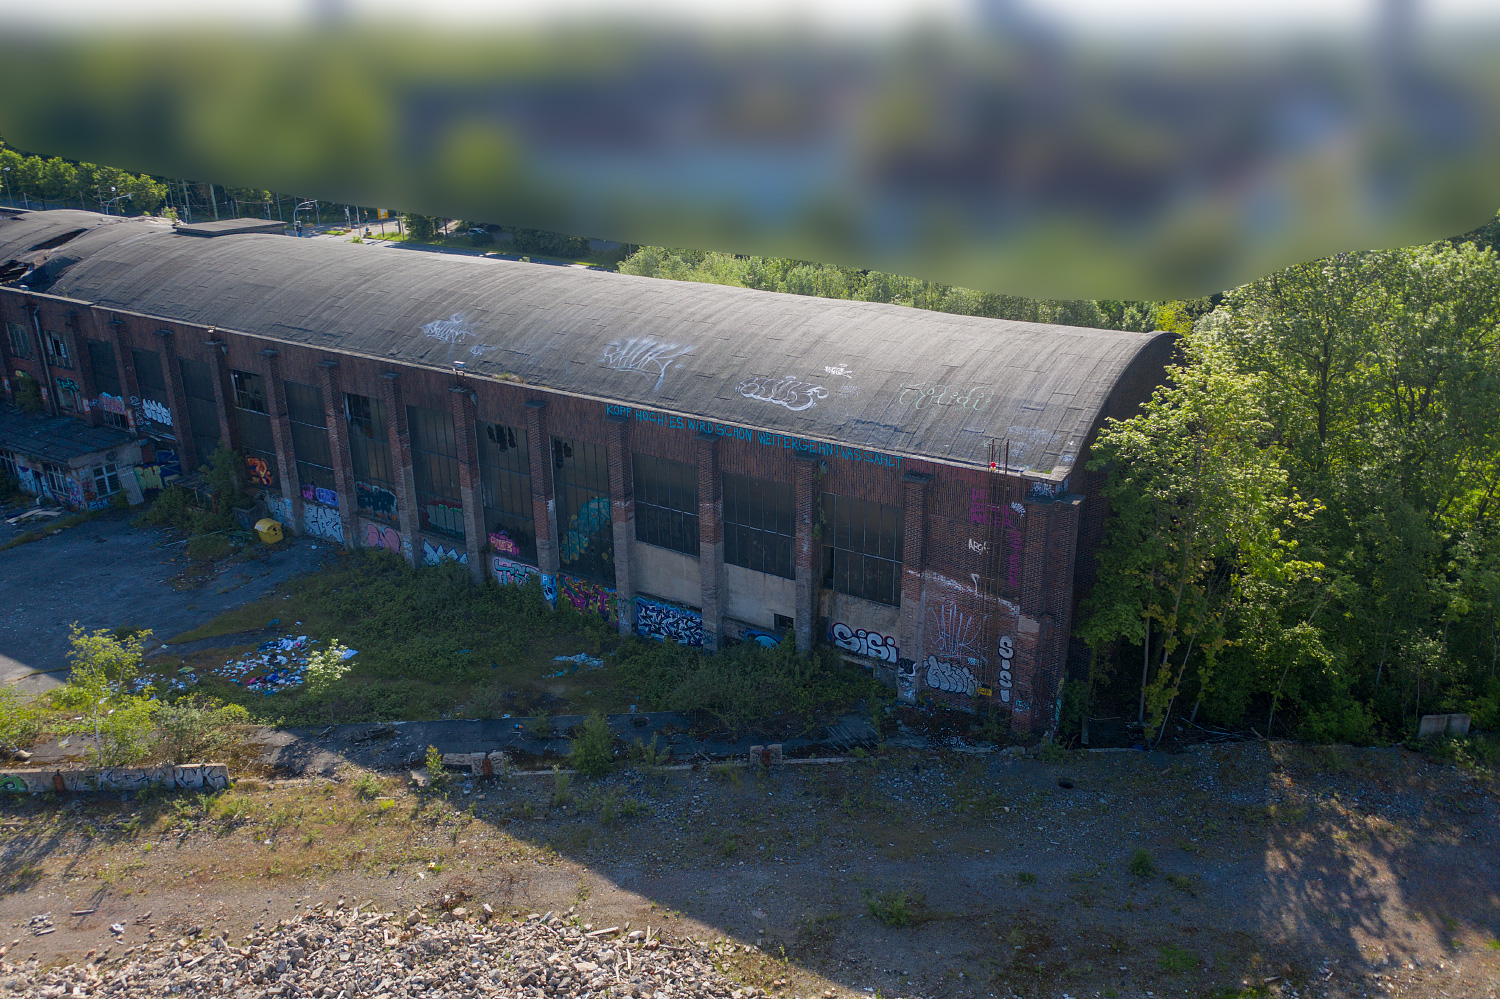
x,y
592,750
215,533
1305,536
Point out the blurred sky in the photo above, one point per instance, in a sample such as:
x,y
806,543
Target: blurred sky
x,y
1070,148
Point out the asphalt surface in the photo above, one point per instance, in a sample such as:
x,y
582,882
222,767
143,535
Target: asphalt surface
x,y
106,574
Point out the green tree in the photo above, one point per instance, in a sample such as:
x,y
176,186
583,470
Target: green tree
x,y
420,227
101,688
325,668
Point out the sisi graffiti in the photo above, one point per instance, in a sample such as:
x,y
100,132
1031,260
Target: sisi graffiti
x,y
787,391
643,356
1006,650
432,554
501,543
374,500
865,643
922,395
508,573
589,598
655,619
317,494
323,522
590,519
377,536
951,677
260,472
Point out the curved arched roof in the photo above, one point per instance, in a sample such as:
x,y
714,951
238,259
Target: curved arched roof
x,y
880,377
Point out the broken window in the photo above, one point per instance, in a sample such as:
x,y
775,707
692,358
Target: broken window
x,y
434,461
505,478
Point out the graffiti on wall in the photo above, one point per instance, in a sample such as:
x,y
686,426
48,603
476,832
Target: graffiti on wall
x,y
549,590
1006,650
951,677
191,777
27,478
508,573
764,638
150,409
75,493
952,633
377,500
656,619
279,508
317,494
170,465
786,391
432,554
922,395
502,544
259,472
906,679
591,518
589,597
323,522
1007,517
643,356
379,536
113,404
865,643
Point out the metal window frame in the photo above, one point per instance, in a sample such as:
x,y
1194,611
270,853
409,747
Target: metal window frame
x,y
862,547
748,542
666,503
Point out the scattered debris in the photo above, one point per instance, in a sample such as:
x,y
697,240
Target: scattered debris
x,y
41,925
581,659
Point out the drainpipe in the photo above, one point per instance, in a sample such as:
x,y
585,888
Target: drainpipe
x,y
41,344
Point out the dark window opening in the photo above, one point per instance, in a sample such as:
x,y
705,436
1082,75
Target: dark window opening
x,y
434,459
256,440
666,503
585,525
107,382
861,548
310,448
202,410
20,343
759,524
370,456
505,479
249,393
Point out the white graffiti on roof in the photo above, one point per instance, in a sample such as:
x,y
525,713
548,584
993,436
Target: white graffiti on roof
x,y
787,391
865,643
644,356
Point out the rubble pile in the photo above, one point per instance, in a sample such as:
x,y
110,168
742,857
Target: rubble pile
x,y
379,955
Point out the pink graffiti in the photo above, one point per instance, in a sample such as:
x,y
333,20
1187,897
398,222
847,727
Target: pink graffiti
x,y
1007,517
503,545
382,537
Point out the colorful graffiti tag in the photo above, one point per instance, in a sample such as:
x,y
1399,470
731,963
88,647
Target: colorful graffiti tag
x,y
549,590
508,573
317,494
865,643
432,554
590,519
323,522
260,472
502,544
378,501
279,508
589,597
655,619
388,538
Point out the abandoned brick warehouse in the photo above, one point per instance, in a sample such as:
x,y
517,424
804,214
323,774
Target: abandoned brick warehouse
x,y
695,462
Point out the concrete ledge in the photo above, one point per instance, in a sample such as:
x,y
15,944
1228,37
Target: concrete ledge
x,y
192,777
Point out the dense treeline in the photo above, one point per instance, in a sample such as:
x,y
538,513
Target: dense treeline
x,y
60,183
1304,525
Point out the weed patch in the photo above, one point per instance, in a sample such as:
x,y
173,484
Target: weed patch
x,y
1140,863
1175,960
897,908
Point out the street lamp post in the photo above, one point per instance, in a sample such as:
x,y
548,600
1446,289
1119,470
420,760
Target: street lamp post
x,y
306,205
107,204
8,196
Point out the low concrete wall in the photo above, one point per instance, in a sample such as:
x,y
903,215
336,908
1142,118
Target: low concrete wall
x,y
1433,726
192,777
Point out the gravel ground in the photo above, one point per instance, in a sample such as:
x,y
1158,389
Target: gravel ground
x,y
339,951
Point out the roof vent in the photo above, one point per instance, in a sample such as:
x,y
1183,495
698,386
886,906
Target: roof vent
x,y
232,227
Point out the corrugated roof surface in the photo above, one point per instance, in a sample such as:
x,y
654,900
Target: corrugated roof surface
x,y
881,377
55,438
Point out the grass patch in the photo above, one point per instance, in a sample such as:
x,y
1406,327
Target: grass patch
x,y
1175,960
896,908
1140,863
1025,878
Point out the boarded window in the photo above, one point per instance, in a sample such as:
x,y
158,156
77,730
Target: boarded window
x,y
759,524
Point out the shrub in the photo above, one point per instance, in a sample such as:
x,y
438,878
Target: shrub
x,y
1345,721
592,750
20,718
1140,863
325,667
174,507
101,688
207,547
435,771
198,728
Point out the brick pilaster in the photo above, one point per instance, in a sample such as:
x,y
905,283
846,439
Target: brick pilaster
x,y
463,399
622,514
338,447
543,509
187,454
229,431
710,539
394,401
281,434
913,565
805,553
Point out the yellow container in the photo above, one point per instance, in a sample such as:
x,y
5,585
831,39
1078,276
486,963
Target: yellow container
x,y
269,530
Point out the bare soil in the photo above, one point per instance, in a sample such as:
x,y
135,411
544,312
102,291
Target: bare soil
x,y
1238,870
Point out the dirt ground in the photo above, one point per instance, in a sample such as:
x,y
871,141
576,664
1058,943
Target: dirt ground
x,y
1237,870
106,574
